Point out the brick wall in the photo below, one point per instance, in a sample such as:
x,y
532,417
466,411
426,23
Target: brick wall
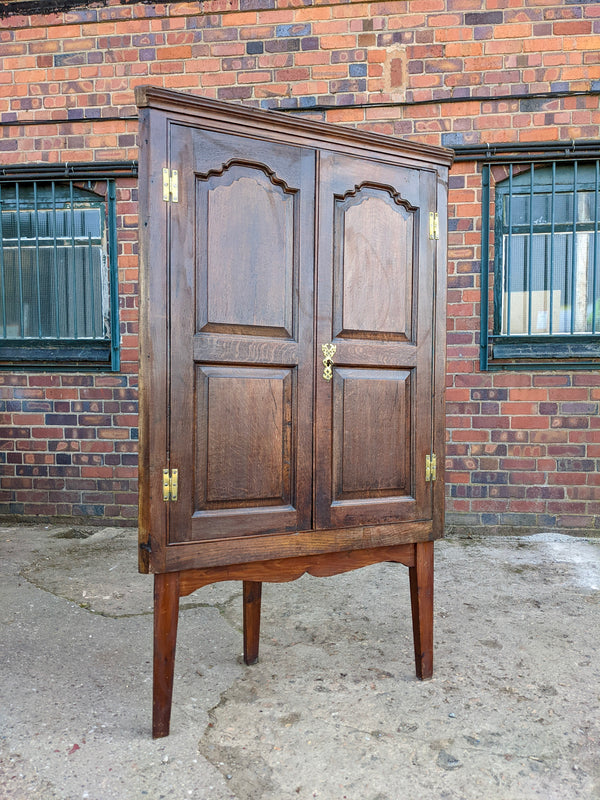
x,y
68,442
69,446
522,448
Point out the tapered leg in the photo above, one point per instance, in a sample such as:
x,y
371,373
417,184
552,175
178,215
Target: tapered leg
x,y
252,597
421,597
166,614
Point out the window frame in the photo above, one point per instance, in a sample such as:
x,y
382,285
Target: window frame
x,y
529,351
61,353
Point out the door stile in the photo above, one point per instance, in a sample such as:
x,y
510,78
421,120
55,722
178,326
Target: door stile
x,y
323,334
429,266
316,333
180,265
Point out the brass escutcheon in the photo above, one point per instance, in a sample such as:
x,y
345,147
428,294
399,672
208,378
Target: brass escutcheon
x,y
328,352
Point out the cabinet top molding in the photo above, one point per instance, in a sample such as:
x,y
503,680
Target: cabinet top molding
x,y
299,132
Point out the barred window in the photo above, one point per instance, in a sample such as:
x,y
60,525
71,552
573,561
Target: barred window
x,y
58,299
544,275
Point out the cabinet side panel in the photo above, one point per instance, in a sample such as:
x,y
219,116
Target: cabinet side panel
x,y
152,516
439,405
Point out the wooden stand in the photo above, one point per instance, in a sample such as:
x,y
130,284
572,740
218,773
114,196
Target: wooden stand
x,y
170,586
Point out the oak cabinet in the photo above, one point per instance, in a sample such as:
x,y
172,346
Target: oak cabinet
x,y
292,285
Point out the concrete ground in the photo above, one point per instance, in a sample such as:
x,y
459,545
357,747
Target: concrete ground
x,y
332,710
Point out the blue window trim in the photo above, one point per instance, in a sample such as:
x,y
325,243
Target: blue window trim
x,y
113,277
63,354
530,352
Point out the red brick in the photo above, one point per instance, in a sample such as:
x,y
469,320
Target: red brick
x,y
529,423
530,395
572,27
518,408
513,380
518,464
337,42
568,394
528,478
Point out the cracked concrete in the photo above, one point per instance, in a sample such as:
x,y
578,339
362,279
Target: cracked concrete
x,y
332,710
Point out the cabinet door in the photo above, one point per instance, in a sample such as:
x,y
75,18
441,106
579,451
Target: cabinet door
x,y
373,421
241,295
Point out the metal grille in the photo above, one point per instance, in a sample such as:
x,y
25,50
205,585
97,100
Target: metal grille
x,y
55,272
546,265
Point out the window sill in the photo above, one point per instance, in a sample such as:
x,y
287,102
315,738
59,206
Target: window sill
x,y
571,351
62,354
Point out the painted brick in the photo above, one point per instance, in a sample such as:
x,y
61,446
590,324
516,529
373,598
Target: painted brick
x,y
282,45
579,408
293,30
484,18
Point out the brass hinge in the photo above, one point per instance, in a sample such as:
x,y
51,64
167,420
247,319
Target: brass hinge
x,y
434,225
430,467
170,484
170,185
